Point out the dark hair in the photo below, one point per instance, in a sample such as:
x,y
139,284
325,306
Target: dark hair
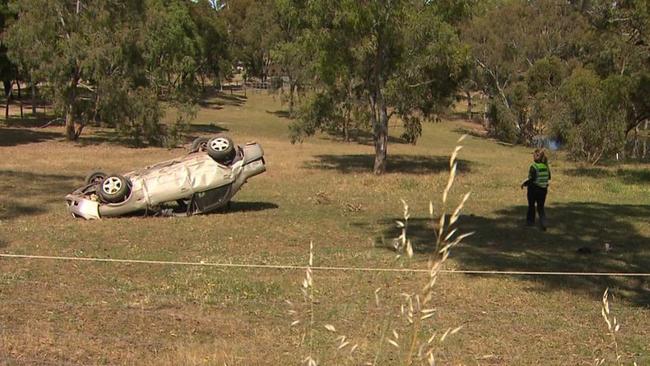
x,y
540,156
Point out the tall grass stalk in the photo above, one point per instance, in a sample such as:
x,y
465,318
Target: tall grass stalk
x,y
418,307
613,327
412,346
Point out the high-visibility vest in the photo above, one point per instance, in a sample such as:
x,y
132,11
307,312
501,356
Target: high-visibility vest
x,y
542,175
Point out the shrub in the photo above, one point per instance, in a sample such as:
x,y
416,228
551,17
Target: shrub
x,y
589,118
503,123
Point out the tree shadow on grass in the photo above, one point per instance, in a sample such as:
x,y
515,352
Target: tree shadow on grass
x,y
218,100
280,113
591,172
211,128
575,242
11,209
634,176
105,136
480,133
113,137
32,120
627,176
38,189
19,136
361,137
406,164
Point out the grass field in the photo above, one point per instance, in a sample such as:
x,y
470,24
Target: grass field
x,y
65,312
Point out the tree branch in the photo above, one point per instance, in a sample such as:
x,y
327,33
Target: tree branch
x,y
85,86
422,83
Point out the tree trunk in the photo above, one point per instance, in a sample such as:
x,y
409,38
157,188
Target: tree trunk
x,y
8,87
645,139
346,125
381,137
70,132
69,123
635,146
292,87
469,104
486,120
33,90
96,109
20,101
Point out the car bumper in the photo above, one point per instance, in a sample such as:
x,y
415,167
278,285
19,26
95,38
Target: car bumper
x,y
82,207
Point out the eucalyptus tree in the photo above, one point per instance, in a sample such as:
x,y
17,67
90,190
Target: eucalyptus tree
x,y
113,61
507,40
589,117
400,59
289,51
578,70
214,44
253,30
7,68
621,47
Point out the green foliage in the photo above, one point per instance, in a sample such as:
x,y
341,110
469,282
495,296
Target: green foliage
x,y
522,50
213,42
316,113
412,129
111,62
253,30
181,126
529,102
503,123
545,75
534,57
385,57
427,78
290,50
590,119
7,67
144,113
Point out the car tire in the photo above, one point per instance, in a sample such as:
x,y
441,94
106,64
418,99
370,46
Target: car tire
x,y
199,144
221,149
114,188
95,177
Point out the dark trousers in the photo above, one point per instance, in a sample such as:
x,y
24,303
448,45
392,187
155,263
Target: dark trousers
x,y
536,196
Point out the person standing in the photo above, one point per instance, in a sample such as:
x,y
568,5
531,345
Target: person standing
x,y
539,175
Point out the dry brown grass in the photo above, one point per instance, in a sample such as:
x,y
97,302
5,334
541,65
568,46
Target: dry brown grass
x,y
82,313
613,328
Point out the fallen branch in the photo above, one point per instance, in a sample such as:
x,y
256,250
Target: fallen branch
x,y
51,122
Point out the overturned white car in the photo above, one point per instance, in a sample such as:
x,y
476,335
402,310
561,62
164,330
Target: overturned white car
x,y
202,181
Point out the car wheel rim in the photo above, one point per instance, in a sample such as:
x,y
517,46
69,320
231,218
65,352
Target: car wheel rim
x,y
219,144
112,185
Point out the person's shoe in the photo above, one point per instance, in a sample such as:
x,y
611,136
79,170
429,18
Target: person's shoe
x,y
542,225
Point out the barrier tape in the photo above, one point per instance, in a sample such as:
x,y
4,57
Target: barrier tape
x,y
325,268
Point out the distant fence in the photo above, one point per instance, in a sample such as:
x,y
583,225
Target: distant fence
x,y
270,84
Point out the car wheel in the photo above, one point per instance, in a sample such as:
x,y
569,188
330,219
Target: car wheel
x,y
95,177
199,144
221,149
114,188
